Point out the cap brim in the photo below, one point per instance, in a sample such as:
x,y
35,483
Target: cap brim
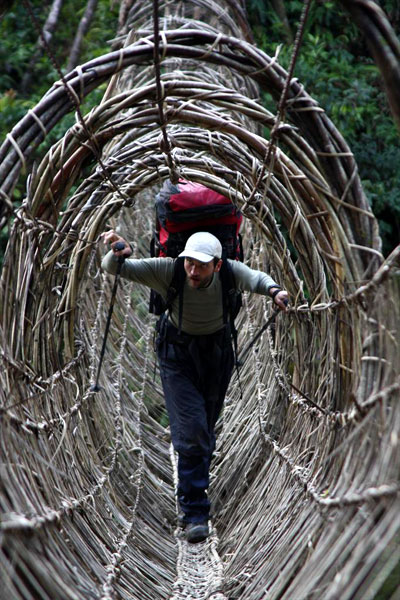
x,y
200,256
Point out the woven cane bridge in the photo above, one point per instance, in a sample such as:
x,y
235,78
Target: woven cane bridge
x,y
305,481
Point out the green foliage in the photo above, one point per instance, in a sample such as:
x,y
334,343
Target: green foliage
x,y
12,109
334,64
259,11
19,53
391,584
19,45
336,68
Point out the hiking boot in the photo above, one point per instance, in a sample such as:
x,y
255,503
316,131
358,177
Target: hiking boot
x,y
197,532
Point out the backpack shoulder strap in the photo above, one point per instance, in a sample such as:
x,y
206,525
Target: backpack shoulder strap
x,y
232,298
232,301
176,289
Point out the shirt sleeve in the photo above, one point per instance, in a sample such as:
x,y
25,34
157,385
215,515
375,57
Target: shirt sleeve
x,y
250,280
151,272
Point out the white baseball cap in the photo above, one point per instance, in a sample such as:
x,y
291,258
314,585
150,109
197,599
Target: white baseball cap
x,y
202,246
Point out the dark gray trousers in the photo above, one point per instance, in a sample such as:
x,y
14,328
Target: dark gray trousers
x,y
195,374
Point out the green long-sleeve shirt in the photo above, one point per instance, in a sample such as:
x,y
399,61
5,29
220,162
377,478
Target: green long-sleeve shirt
x,y
202,307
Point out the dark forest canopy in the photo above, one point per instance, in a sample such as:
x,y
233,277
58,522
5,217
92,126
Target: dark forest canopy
x,y
335,65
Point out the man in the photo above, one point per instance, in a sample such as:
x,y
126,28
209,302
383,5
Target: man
x,y
195,356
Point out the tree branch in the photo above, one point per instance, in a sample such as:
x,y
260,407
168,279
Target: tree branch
x,y
83,28
47,33
383,44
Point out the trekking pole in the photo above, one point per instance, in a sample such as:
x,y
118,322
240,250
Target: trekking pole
x,y
256,337
240,361
118,246
259,334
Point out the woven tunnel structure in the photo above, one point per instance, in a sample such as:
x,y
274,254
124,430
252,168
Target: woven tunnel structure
x,y
305,479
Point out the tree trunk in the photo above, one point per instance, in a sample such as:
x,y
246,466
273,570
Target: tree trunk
x,y
279,8
239,12
83,28
383,44
47,33
52,20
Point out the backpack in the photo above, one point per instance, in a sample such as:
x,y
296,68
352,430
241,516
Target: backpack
x,y
189,207
184,209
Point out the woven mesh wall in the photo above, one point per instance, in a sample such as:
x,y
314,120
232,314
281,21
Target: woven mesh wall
x,y
305,479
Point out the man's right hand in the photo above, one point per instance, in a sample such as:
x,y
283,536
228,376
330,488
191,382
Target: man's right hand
x,y
112,238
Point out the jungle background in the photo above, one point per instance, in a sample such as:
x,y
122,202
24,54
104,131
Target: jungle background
x,y
335,65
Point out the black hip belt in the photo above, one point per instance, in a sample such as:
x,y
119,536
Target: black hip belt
x,y
173,336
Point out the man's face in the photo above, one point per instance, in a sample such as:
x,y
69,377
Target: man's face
x,y
200,274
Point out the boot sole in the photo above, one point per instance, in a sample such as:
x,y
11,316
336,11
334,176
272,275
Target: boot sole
x,y
197,534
